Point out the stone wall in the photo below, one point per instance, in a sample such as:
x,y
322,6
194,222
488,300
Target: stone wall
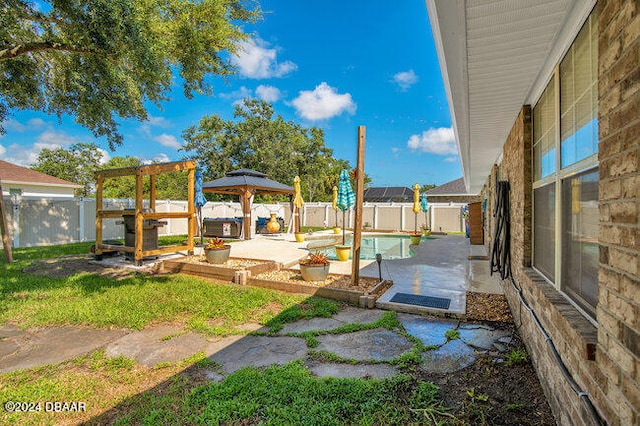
x,y
618,310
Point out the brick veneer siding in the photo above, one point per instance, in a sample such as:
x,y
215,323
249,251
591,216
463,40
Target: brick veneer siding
x,y
603,360
618,310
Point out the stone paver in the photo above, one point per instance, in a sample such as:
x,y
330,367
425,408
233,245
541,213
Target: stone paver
x,y
349,315
157,345
260,351
431,332
481,337
330,369
378,344
41,346
312,324
453,356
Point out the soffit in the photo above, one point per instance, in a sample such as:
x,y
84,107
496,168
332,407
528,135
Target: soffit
x,y
493,55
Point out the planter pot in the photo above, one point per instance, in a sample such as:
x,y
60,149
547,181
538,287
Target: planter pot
x,y
343,253
217,256
314,272
426,232
415,239
336,230
300,236
273,226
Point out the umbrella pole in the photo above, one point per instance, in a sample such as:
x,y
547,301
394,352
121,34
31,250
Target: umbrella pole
x,y
200,224
344,212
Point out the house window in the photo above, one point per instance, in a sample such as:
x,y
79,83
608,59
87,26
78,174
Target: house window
x,y
565,172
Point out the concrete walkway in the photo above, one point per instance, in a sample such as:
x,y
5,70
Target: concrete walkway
x,y
372,350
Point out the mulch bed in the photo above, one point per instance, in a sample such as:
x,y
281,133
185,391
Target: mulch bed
x,y
488,307
334,281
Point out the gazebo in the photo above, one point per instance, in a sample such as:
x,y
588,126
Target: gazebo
x,y
246,183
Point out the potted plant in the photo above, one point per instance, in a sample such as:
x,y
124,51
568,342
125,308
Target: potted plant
x,y
217,252
300,236
315,267
426,231
415,237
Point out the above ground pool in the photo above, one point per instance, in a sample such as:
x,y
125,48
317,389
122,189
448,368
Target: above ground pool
x,y
389,246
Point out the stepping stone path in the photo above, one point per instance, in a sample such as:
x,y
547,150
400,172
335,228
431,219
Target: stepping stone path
x,y
170,344
377,345
21,349
260,351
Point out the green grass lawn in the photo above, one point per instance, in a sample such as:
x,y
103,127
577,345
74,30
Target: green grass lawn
x,y
118,390
137,300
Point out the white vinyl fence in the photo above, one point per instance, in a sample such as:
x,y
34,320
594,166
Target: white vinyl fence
x,y
36,221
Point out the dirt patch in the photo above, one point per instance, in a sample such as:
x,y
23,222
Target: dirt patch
x,y
488,307
231,263
65,266
494,391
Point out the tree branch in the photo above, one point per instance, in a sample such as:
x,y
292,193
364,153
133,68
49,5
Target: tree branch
x,y
40,46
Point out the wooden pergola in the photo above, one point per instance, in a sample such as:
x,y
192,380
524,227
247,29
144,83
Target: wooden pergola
x,y
140,215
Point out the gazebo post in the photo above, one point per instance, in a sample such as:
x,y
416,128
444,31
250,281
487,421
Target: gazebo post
x,y
246,210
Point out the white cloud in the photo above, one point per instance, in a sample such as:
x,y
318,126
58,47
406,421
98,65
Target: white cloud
x,y
13,125
238,95
3,150
439,141
36,123
451,159
168,141
323,102
161,158
54,139
154,121
268,93
105,156
405,79
255,59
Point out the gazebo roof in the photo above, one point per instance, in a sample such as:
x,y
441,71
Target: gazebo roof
x,y
241,180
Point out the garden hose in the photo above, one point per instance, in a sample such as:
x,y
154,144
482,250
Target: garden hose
x,y
501,262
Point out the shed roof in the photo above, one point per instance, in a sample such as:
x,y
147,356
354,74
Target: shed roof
x,y
12,173
455,187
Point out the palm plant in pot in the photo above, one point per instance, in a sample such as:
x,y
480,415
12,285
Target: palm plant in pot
x,y
217,252
315,267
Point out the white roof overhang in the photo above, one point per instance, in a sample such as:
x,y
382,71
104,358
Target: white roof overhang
x,y
496,56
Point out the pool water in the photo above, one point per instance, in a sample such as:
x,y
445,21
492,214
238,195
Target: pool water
x,y
389,246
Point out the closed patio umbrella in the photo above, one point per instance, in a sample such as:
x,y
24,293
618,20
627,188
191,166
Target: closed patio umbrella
x,y
298,202
424,206
335,203
346,198
199,201
416,205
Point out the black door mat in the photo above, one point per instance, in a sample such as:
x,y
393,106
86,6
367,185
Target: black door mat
x,y
426,301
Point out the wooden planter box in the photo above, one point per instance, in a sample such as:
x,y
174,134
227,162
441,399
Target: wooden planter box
x,y
351,296
216,271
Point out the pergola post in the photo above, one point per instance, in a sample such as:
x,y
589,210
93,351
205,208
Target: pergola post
x,y
357,226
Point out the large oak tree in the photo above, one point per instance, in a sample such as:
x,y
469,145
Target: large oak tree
x,y
103,59
259,139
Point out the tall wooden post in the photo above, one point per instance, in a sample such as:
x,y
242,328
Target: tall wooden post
x,y
139,220
152,193
357,226
191,222
99,186
8,255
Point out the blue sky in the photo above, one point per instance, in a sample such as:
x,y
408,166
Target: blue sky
x,y
331,64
